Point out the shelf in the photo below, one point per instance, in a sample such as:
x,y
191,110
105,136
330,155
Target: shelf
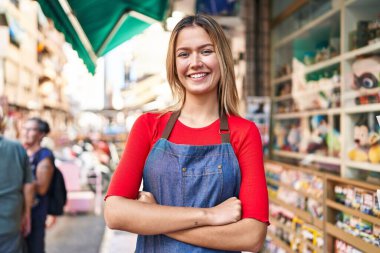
x,y
281,79
281,225
292,115
309,157
306,28
279,242
352,94
363,166
340,207
273,182
350,239
297,168
288,154
298,212
360,51
291,188
281,98
349,2
314,247
322,65
347,181
363,108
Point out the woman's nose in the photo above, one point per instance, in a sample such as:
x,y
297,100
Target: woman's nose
x,y
196,61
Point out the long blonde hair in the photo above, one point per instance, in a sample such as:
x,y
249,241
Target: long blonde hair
x,y
227,93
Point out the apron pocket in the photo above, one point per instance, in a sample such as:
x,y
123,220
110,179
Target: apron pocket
x,y
202,187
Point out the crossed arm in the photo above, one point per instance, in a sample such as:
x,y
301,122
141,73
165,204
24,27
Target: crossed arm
x,y
219,227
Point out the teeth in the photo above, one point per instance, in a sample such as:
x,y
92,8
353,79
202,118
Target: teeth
x,y
197,75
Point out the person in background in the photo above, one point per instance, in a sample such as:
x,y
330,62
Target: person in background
x,y
16,193
201,163
42,166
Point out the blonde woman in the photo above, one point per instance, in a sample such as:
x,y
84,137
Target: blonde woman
x,y
201,164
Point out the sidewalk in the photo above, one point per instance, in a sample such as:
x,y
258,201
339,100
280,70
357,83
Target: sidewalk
x,y
115,241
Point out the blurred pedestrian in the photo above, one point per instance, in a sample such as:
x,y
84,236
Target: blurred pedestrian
x,y
201,164
42,165
16,193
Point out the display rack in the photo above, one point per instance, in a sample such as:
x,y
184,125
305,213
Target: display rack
x,y
317,107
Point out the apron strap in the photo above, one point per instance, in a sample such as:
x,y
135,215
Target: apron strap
x,y
169,126
224,130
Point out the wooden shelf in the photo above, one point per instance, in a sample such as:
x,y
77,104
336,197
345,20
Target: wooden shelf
x,y
310,157
298,168
283,226
290,187
322,65
280,243
350,239
363,165
306,28
305,216
361,51
282,98
291,115
340,207
288,154
314,247
273,181
347,181
362,108
281,79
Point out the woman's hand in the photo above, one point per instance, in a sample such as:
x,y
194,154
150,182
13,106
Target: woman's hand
x,y
146,197
225,213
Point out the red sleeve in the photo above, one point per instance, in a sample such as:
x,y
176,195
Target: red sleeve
x,y
127,178
253,189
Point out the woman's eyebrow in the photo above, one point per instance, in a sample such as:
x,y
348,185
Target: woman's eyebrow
x,y
201,46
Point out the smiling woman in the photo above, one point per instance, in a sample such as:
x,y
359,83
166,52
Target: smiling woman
x,y
202,164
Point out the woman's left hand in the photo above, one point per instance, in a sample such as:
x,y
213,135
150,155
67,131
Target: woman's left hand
x,y
146,197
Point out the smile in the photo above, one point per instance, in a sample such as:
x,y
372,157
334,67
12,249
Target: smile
x,y
198,75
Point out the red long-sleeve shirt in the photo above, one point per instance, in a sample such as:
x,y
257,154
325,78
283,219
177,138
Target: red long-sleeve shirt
x,y
245,140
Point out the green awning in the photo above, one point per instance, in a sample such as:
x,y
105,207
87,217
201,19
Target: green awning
x,y
94,27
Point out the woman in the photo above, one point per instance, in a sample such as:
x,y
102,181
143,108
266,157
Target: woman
x,y
202,164
42,165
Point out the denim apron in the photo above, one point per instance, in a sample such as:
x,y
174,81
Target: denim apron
x,y
188,176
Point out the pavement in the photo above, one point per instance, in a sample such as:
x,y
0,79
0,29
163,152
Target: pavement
x,y
80,233
115,241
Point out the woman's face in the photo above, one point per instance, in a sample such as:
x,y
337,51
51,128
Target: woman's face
x,y
30,134
196,61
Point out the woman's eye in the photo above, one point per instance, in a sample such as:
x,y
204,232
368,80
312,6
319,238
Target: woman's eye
x,y
207,51
183,54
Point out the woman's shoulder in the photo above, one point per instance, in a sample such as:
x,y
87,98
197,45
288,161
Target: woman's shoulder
x,y
152,118
240,123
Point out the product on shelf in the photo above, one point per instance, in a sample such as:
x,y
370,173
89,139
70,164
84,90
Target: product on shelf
x,y
374,149
366,72
357,198
359,228
343,247
367,33
366,139
321,88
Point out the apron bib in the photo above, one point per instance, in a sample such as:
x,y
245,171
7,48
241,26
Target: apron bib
x,y
188,176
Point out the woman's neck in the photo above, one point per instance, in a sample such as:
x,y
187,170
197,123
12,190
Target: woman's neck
x,y
199,111
32,149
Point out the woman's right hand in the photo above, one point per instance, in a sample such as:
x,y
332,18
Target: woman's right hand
x,y
225,213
